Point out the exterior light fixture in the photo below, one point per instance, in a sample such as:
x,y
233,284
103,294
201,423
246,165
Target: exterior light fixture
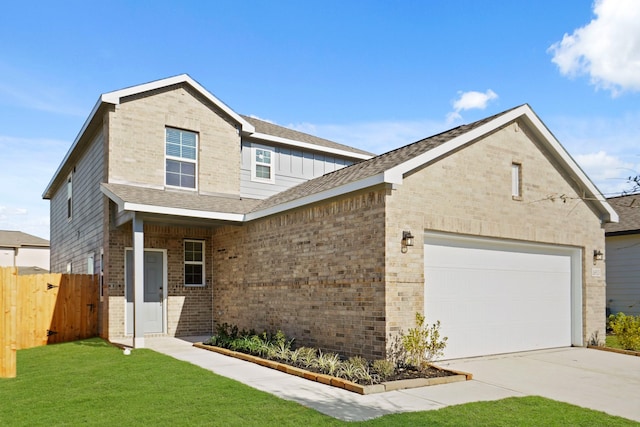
x,y
597,256
407,240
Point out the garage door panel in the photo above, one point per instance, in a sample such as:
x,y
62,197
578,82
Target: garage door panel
x,y
497,301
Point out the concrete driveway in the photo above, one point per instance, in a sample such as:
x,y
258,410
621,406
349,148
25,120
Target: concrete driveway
x,y
590,378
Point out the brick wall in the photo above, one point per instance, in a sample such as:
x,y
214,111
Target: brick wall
x,y
469,192
188,308
316,273
137,139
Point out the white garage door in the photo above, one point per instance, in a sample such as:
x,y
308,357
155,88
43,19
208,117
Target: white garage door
x,y
496,297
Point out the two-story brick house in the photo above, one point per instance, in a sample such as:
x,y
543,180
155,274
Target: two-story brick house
x,y
197,215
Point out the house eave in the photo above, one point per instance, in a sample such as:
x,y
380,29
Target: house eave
x,y
524,112
306,145
115,97
318,197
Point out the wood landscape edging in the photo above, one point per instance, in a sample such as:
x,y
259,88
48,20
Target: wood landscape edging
x,y
615,350
340,382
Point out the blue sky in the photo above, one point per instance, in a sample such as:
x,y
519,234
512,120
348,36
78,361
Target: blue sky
x,y
373,74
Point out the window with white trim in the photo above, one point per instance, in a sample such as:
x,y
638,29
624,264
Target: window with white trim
x,y
194,263
70,196
181,152
262,161
516,181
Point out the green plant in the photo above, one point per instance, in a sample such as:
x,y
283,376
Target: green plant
x,y
384,368
328,363
349,370
423,343
307,356
627,329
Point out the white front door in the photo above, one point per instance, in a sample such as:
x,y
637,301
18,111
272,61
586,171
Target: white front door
x,y
153,297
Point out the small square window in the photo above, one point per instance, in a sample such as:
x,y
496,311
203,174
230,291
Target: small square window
x,y
262,165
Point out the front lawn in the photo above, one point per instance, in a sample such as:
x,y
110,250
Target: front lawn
x,y
90,382
612,341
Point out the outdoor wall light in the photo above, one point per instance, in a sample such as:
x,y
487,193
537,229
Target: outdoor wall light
x,y
597,256
407,240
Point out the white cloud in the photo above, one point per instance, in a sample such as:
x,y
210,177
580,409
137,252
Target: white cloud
x,y
471,100
610,173
607,49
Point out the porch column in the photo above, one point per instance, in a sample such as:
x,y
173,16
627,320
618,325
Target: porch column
x,y
138,282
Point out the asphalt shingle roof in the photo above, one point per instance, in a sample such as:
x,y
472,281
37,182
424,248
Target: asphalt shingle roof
x,y
17,239
181,199
275,130
628,208
371,167
343,176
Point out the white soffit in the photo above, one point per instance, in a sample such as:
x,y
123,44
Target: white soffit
x,y
310,146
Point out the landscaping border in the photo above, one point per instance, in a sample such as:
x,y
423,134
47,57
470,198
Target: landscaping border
x,y
615,350
456,376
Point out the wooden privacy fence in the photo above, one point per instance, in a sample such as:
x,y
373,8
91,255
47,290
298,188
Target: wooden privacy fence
x,y
44,309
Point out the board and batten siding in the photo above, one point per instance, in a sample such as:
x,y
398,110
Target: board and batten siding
x,y
623,274
292,167
74,240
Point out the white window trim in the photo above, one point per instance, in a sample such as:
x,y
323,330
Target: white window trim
x,y
516,180
91,263
70,197
255,163
181,159
185,262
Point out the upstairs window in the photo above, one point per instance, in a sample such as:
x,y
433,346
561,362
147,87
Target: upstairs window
x,y
516,181
194,263
262,164
69,196
181,158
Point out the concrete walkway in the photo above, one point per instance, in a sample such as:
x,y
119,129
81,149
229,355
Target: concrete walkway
x,y
594,379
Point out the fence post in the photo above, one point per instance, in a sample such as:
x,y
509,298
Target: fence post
x,y
8,322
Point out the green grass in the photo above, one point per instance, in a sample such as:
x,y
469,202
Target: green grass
x,y
612,341
90,382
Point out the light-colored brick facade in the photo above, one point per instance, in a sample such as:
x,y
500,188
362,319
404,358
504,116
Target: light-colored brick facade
x,y
469,193
316,273
333,275
329,273
137,140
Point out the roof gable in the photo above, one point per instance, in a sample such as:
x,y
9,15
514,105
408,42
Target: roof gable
x,y
391,167
246,124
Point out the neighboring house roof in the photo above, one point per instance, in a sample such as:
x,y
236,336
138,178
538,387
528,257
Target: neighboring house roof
x,y
275,133
179,203
389,168
18,239
628,207
245,125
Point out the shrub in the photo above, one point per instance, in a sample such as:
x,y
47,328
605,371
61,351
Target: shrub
x,y
307,356
328,363
627,329
383,368
423,343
